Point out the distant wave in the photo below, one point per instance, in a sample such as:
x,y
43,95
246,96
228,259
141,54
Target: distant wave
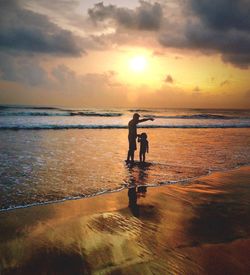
x,y
197,116
67,113
7,110
32,114
28,107
95,114
113,114
140,110
75,126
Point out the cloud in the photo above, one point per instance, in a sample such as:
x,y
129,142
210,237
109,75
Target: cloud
x,y
22,69
63,74
214,26
59,6
223,14
91,89
22,30
208,26
146,17
169,79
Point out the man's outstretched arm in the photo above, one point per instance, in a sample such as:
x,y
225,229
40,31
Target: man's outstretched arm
x,y
145,119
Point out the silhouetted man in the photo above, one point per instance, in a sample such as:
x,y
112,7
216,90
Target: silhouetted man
x,y
132,135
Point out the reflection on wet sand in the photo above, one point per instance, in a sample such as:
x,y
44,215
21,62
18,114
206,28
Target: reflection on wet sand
x,y
138,174
177,230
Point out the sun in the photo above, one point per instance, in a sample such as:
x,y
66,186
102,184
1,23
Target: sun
x,y
138,63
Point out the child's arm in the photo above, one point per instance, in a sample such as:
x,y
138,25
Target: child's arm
x,y
147,147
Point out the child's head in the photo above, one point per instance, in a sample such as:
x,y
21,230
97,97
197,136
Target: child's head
x,y
144,136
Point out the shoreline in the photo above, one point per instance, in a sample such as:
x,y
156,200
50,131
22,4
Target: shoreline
x,y
124,187
197,228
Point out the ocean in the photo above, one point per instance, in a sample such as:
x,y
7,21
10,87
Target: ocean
x,y
50,154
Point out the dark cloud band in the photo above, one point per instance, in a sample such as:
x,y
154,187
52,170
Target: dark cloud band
x,y
220,26
145,17
27,31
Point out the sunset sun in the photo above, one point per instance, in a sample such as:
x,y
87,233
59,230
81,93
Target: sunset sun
x,y
138,63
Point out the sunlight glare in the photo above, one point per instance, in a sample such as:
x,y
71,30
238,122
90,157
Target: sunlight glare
x,y
138,63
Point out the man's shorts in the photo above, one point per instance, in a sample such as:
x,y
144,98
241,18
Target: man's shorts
x,y
132,143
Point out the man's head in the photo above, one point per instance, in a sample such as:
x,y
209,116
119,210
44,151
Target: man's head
x,y
136,116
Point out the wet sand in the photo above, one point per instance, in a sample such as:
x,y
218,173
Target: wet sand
x,y
201,227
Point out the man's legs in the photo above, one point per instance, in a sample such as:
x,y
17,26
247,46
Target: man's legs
x,y
131,150
131,154
128,157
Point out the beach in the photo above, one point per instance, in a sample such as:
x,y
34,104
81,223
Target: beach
x,y
124,137
70,204
201,227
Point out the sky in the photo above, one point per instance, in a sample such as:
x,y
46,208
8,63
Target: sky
x,y
125,53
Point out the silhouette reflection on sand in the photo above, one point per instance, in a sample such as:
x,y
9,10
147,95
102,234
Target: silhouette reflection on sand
x,y
138,174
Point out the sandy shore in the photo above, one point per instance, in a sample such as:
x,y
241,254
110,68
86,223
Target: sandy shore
x,y
197,228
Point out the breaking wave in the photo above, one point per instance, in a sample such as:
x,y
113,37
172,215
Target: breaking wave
x,y
196,116
75,113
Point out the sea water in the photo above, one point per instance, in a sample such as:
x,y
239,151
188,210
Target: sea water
x,y
50,154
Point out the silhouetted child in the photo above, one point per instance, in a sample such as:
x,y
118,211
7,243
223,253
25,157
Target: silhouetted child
x,y
143,146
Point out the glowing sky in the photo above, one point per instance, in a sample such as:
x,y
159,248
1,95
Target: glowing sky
x,y
165,53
